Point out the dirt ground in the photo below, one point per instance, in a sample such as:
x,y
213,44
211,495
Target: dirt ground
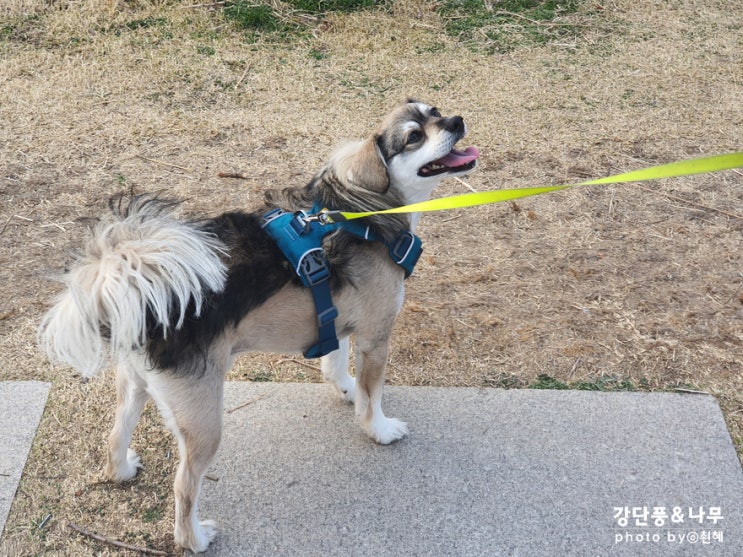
x,y
628,286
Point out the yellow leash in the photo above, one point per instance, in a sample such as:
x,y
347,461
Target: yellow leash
x,y
672,170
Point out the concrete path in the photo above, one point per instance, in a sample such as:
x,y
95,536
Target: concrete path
x,y
21,406
484,472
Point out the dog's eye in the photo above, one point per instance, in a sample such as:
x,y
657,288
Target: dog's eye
x,y
435,113
415,136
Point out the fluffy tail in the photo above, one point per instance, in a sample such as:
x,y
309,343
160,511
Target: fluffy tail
x,y
142,270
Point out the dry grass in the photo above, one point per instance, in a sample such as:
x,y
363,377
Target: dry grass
x,y
642,285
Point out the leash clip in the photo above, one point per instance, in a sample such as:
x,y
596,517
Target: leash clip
x,y
325,216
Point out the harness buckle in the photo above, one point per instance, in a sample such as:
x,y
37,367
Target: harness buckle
x,y
401,250
313,268
327,316
406,251
300,223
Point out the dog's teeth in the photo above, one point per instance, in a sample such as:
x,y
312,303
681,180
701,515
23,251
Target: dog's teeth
x,y
432,167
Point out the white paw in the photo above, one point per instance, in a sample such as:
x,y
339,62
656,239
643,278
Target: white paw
x,y
208,531
202,536
346,389
387,430
127,470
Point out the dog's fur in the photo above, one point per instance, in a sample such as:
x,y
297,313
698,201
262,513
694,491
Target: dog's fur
x,y
172,302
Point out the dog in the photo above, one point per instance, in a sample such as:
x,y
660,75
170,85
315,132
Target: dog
x,y
172,302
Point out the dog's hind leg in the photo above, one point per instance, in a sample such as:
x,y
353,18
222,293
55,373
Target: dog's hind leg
x,y
370,366
335,370
192,407
131,396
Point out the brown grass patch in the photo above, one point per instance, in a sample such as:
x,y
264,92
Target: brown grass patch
x,y
643,285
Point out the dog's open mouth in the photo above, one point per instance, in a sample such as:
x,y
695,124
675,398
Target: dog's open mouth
x,y
455,161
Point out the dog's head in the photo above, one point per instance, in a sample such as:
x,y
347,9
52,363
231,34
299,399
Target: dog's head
x,y
410,153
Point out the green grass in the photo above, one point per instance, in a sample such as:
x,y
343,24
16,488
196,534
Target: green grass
x,y
259,377
604,383
153,514
19,28
146,23
547,382
544,381
259,18
245,14
6,31
485,26
508,24
206,50
319,7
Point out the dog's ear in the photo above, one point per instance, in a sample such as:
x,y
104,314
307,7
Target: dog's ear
x,y
364,167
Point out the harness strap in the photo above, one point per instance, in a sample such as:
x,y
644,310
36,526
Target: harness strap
x,y
301,241
315,272
299,237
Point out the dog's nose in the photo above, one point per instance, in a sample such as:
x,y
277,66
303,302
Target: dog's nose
x,y
455,124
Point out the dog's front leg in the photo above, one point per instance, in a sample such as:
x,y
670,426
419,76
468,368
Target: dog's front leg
x,y
371,362
335,370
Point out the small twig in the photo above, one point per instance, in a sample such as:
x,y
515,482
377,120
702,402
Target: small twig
x,y
451,219
43,522
235,175
115,543
472,327
690,391
243,76
465,184
56,225
163,163
424,25
7,222
575,366
298,362
10,218
207,5
611,201
251,401
682,200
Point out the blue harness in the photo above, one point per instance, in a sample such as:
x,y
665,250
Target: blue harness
x,y
300,239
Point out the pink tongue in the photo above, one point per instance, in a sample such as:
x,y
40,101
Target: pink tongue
x,y
458,158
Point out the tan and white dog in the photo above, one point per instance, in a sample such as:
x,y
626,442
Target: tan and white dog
x,y
172,301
